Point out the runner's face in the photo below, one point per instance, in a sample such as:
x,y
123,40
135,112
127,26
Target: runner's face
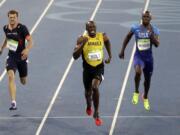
x,y
146,18
91,28
13,19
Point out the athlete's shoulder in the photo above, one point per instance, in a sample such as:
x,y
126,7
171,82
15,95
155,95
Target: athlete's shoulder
x,y
100,33
155,29
134,27
82,38
5,27
21,26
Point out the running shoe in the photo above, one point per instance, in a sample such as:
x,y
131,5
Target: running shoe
x,y
89,111
13,106
135,98
146,104
97,120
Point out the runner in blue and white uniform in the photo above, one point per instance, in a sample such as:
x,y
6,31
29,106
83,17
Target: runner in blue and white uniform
x,y
146,35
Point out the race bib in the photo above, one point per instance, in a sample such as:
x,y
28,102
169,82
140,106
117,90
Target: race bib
x,y
12,44
93,56
143,44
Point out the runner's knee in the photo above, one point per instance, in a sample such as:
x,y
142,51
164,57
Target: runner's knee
x,y
138,70
88,92
94,87
11,75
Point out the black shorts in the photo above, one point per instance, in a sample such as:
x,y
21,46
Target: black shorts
x,y
20,65
89,75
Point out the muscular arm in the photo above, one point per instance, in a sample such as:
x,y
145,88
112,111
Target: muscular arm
x,y
81,41
155,39
108,47
153,36
29,45
125,42
3,46
29,42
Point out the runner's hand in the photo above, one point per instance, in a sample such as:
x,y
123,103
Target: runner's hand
x,y
121,55
24,54
107,61
1,51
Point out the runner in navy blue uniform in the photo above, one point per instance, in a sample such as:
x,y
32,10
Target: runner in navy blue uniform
x,y
146,35
16,35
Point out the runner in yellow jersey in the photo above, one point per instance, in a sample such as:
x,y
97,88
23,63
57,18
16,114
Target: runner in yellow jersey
x,y
90,47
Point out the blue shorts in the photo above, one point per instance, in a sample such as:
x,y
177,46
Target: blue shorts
x,y
145,64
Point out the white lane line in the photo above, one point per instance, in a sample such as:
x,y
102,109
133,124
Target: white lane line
x,y
63,79
4,72
87,117
32,30
125,82
2,2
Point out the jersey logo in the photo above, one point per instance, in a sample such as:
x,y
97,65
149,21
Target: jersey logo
x,y
94,43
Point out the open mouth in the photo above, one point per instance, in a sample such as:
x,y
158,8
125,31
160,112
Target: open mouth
x,y
93,32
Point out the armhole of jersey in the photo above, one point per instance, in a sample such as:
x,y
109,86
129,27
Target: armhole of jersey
x,y
5,27
156,30
102,35
19,25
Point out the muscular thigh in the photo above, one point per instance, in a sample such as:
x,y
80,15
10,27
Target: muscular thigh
x,y
148,69
92,77
87,79
138,64
11,64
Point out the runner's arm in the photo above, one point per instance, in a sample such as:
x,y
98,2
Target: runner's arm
x,y
29,45
29,42
3,46
155,39
108,47
125,42
81,41
154,35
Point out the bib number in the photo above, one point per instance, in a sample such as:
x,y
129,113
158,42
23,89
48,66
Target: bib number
x,y
93,56
143,44
12,45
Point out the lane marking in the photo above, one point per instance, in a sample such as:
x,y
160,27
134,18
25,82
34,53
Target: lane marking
x,y
4,72
2,2
125,82
62,80
87,117
32,30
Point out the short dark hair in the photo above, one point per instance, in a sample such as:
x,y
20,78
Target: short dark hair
x,y
13,12
89,22
147,12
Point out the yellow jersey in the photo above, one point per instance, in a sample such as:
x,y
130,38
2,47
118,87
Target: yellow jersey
x,y
93,50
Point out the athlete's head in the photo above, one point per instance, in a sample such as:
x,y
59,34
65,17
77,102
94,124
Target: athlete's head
x,y
146,18
13,17
91,28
